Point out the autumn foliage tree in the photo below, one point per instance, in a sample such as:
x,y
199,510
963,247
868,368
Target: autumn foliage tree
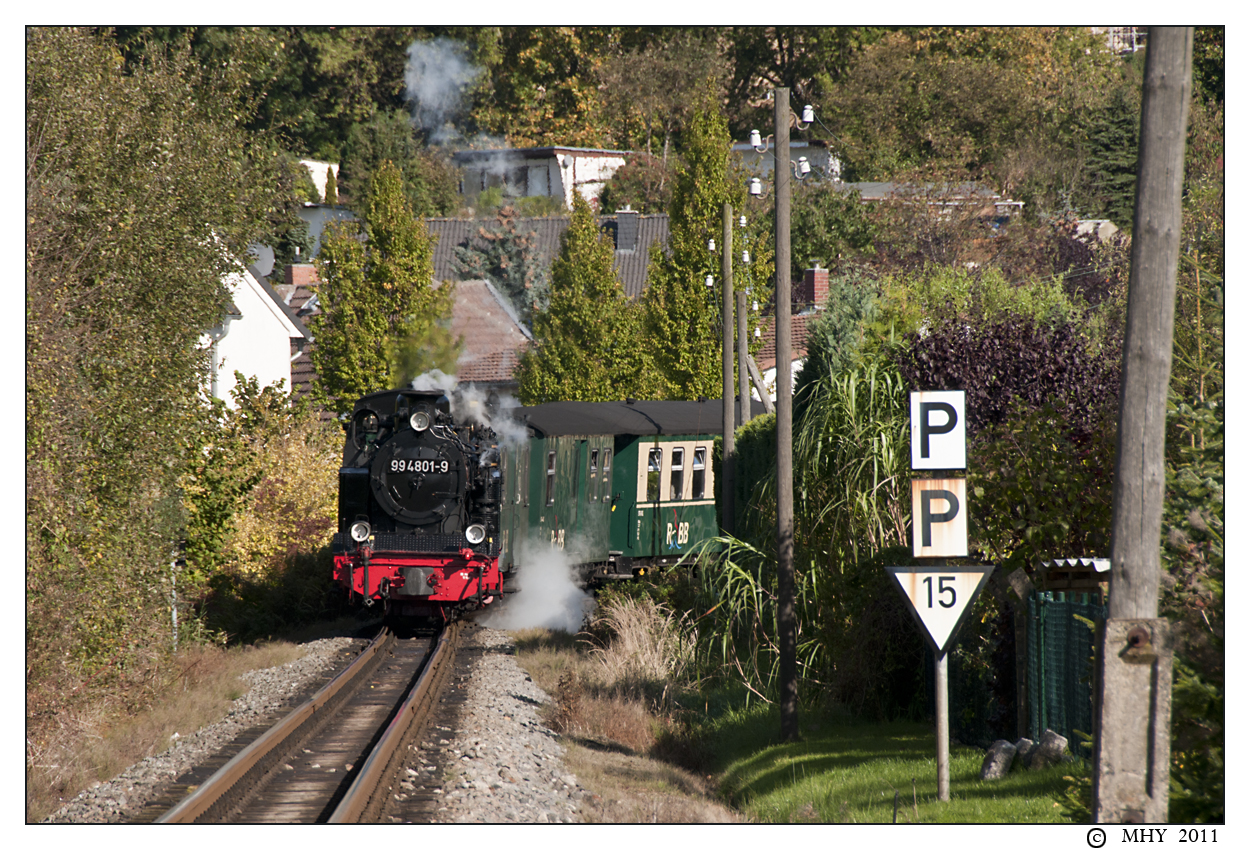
x,y
380,320
142,190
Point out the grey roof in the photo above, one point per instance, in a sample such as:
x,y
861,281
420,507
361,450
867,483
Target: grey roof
x,y
643,418
631,266
876,191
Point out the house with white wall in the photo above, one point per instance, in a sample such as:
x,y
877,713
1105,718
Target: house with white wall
x,y
319,172
256,337
555,172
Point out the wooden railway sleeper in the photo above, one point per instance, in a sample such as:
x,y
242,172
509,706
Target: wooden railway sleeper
x,y
224,790
366,800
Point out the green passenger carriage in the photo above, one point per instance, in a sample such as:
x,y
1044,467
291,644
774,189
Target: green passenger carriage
x,y
621,486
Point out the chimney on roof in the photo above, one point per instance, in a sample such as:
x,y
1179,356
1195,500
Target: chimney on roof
x,y
815,287
626,229
302,274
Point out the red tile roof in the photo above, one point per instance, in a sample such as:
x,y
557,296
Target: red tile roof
x,y
492,338
766,357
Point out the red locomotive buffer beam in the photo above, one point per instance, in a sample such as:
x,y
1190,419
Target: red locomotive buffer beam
x,y
465,579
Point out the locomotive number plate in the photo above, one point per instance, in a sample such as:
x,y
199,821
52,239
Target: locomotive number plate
x,y
408,465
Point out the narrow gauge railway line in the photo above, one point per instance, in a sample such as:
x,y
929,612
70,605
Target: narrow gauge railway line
x,y
332,758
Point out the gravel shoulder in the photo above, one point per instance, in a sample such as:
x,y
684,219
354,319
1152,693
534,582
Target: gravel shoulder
x,y
487,758
128,796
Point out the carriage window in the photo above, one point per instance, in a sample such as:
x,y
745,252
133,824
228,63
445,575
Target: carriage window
x,y
607,470
592,486
654,458
551,478
697,474
675,475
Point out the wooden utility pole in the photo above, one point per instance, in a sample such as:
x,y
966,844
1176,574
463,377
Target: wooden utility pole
x,y
1133,717
786,626
727,370
744,393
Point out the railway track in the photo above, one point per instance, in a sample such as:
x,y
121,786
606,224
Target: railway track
x,y
332,758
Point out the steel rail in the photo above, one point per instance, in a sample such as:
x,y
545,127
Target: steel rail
x,y
213,799
364,800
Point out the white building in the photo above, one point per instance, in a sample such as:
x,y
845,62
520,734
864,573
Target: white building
x,y
317,170
554,172
255,338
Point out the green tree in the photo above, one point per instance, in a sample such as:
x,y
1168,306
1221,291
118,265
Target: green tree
x,y
544,89
807,60
1111,155
312,84
682,314
332,187
646,90
644,183
431,182
1000,102
507,255
586,341
376,298
826,225
834,338
143,192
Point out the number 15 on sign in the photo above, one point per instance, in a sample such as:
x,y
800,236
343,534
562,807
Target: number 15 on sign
x,y
940,598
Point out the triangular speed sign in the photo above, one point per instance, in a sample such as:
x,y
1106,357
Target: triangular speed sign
x,y
940,598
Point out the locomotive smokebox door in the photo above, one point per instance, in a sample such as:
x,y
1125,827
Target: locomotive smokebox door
x,y
416,581
418,479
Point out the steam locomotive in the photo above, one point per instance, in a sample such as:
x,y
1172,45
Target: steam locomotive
x,y
418,507
438,513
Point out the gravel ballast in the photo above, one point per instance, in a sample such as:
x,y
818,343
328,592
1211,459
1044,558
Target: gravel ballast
x,y
498,764
123,798
503,764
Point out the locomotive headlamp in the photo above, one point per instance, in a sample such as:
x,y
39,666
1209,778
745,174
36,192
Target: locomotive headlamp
x,y
360,531
475,534
419,420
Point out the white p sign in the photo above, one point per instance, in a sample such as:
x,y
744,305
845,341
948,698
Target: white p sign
x,y
939,517
938,430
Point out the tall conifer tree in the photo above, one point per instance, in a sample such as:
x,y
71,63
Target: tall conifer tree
x,y
681,313
587,340
382,321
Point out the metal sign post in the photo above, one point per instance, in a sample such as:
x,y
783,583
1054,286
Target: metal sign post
x,y
940,599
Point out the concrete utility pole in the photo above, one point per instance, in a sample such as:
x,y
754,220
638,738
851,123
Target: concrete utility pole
x,y
727,370
1133,717
786,627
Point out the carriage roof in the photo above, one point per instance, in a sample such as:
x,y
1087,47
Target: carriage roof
x,y
641,418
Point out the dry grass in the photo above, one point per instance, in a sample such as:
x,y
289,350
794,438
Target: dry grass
x,y
645,649
634,789
67,753
611,691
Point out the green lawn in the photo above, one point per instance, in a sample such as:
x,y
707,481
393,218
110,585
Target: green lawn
x,y
848,772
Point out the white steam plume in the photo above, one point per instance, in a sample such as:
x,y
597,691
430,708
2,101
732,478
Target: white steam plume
x,y
549,597
468,404
437,74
